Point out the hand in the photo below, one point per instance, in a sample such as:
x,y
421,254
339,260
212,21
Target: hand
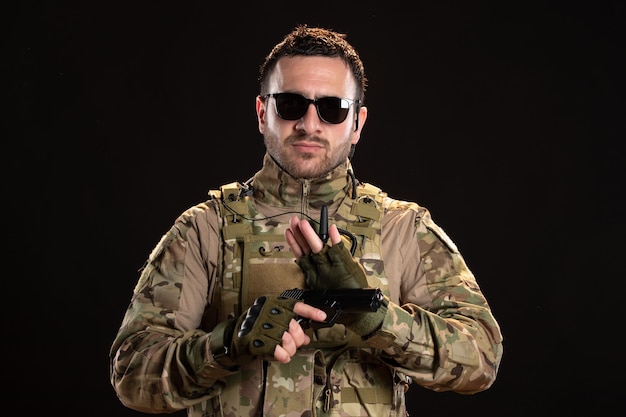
x,y
324,267
303,239
332,267
268,328
295,336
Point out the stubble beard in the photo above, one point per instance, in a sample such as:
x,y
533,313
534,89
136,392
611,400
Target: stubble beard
x,y
297,164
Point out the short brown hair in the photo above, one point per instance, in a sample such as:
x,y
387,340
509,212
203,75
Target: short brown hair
x,y
315,41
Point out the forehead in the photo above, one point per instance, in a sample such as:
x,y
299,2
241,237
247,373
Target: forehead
x,y
313,75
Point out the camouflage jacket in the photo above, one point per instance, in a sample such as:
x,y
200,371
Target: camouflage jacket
x,y
438,331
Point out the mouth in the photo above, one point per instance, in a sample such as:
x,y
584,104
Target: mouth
x,y
306,146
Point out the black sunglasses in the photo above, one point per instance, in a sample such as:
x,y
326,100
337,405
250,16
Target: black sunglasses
x,y
292,106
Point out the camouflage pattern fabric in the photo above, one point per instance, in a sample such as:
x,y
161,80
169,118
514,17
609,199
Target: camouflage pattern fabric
x,y
438,331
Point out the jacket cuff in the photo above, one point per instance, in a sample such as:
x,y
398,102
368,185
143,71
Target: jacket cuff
x,y
219,344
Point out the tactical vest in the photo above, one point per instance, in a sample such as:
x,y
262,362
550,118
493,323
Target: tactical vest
x,y
336,374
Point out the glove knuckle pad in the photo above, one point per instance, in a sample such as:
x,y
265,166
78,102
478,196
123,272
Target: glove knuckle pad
x,y
264,324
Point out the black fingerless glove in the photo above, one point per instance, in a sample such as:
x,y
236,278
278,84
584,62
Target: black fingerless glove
x,y
254,333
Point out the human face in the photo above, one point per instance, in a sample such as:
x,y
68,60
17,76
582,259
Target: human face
x,y
309,147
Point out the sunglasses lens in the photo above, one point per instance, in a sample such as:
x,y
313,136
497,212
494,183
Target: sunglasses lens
x,y
332,109
291,106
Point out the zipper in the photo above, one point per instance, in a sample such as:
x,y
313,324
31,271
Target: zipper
x,y
328,399
306,188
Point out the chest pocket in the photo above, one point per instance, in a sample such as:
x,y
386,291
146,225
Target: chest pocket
x,y
268,267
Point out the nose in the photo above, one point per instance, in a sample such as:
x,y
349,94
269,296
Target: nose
x,y
311,120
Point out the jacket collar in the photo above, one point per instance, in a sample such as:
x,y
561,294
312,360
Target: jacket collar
x,y
275,187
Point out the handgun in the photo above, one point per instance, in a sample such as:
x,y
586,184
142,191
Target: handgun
x,y
334,302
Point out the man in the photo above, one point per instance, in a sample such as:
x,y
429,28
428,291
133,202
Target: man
x,y
210,328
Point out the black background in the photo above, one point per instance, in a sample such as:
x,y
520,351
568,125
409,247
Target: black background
x,y
503,118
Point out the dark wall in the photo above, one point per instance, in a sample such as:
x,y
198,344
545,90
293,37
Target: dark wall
x,y
503,119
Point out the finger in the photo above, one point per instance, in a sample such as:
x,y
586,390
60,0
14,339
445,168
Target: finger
x,y
312,239
297,334
309,312
281,354
293,244
291,340
295,225
333,232
289,344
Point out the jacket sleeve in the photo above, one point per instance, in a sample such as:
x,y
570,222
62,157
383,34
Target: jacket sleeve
x,y
451,342
159,361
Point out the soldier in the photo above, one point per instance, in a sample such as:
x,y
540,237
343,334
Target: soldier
x,y
210,327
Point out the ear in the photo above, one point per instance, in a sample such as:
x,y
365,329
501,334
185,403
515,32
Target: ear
x,y
261,111
358,125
